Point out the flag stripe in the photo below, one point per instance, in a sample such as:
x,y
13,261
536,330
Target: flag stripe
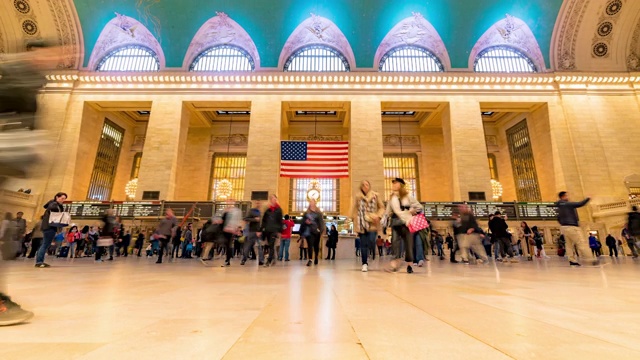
x,y
323,159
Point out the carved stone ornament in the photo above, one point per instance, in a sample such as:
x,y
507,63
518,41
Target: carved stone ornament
x,y
122,31
491,140
234,140
417,31
220,30
566,34
317,30
138,141
315,137
514,33
67,25
395,140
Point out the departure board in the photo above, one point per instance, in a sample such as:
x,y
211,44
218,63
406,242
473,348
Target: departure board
x,y
86,209
538,211
128,210
513,211
202,210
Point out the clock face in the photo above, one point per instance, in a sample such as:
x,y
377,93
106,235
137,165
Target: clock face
x,y
313,194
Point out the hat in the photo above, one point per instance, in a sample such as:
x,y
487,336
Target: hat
x,y
399,180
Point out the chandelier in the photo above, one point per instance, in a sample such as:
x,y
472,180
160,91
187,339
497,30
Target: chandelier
x,y
496,188
131,188
224,188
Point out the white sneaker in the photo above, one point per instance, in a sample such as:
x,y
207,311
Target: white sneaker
x,y
365,268
420,263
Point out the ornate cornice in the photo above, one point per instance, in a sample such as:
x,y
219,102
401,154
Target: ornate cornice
x,y
313,31
566,34
395,140
514,33
315,137
416,31
220,30
122,31
68,32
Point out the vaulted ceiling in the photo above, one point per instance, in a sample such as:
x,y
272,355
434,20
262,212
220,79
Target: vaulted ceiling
x,y
573,35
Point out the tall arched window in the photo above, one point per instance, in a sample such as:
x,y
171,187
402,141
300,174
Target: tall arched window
x,y
130,58
410,59
223,58
503,59
318,58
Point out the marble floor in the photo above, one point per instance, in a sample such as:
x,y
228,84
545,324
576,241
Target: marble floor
x,y
134,309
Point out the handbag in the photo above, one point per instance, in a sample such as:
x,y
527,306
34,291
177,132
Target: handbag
x,y
418,222
104,241
59,219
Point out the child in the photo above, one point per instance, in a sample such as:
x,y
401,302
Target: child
x,y
149,251
303,248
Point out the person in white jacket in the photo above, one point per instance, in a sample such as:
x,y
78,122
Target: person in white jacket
x,y
400,209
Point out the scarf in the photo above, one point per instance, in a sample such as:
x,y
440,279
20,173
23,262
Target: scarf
x,y
368,204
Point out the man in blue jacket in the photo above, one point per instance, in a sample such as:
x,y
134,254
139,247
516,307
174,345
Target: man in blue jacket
x,y
573,235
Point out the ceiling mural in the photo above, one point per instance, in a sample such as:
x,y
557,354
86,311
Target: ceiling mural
x,y
570,35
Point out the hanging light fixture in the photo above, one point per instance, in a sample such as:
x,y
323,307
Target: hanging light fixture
x,y
496,189
224,187
131,189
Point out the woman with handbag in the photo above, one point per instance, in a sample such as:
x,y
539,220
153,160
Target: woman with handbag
x,y
312,229
49,226
368,209
400,210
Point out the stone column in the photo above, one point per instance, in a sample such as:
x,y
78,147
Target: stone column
x,y
164,147
466,149
365,146
263,150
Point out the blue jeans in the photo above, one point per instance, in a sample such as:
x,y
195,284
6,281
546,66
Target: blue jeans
x,y
49,234
367,242
417,239
284,249
496,250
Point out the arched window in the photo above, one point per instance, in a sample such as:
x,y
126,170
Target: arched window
x,y
130,58
503,59
410,59
223,58
317,58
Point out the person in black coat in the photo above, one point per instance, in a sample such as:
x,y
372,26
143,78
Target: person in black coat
x,y
272,227
139,244
612,245
332,243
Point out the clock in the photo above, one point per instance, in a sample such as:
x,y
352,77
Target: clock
x,y
313,194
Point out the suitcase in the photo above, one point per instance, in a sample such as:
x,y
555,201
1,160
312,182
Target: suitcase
x,y
64,252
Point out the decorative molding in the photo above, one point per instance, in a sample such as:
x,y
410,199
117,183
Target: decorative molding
x,y
220,30
317,30
27,19
234,140
602,38
69,33
514,33
2,48
404,140
122,31
416,31
566,34
315,137
491,140
138,141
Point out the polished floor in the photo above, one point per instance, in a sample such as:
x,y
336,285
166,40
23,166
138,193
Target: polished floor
x,y
135,309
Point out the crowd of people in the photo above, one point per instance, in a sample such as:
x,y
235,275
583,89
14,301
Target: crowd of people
x,y
397,229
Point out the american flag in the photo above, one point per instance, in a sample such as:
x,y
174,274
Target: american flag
x,y
314,159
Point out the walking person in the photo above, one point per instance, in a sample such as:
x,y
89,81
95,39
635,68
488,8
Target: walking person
x,y
36,239
470,236
139,243
188,240
633,230
285,242
400,209
164,231
499,227
595,245
108,234
570,228
368,209
210,235
73,237
626,235
380,246
21,229
332,243
231,219
612,245
271,227
312,229
253,234
48,231
526,234
302,245
538,241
